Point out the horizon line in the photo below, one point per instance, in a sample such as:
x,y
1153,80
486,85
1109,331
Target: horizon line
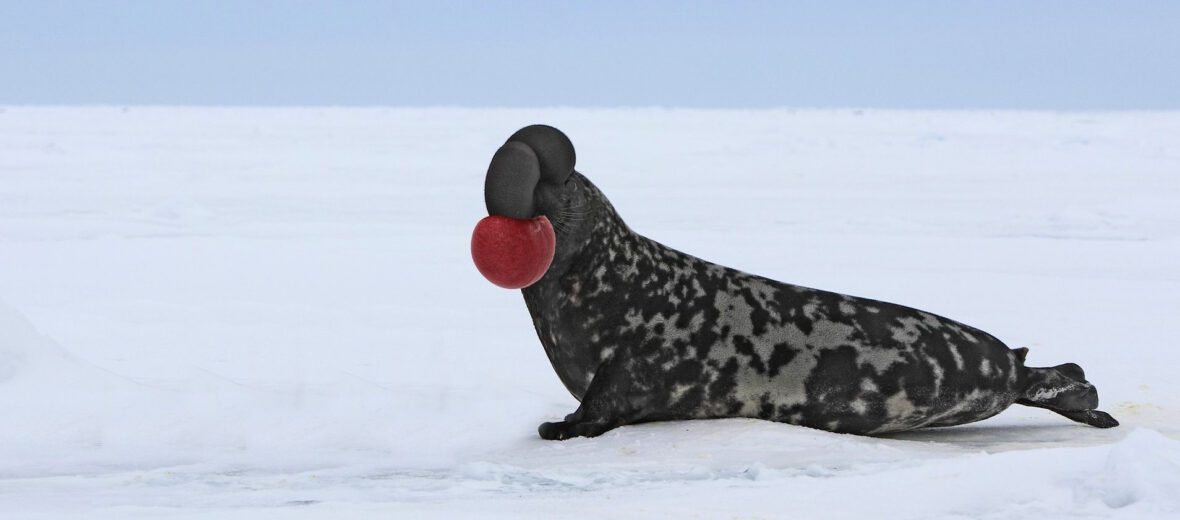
x,y
774,108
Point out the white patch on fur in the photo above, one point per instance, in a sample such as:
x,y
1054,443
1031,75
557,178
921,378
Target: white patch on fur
x,y
859,406
899,406
880,359
958,357
847,308
908,333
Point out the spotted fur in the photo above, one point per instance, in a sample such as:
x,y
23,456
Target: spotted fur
x,y
638,331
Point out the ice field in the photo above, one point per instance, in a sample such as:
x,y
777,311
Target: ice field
x,y
261,313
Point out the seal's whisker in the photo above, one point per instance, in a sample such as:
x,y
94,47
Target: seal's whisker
x,y
578,213
559,225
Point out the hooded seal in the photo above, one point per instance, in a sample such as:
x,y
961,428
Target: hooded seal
x,y
638,331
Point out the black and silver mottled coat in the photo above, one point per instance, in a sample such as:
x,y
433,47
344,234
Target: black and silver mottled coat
x,y
639,332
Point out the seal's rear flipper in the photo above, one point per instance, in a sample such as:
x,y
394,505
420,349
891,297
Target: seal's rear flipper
x,y
1095,418
1063,389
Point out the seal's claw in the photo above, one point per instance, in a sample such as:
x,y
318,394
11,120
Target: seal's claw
x,y
560,431
554,431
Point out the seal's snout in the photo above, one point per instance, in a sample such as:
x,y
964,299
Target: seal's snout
x,y
514,246
513,253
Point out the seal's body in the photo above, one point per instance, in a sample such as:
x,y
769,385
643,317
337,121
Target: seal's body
x,y
641,332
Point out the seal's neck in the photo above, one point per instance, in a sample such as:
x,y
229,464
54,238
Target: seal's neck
x,y
571,302
602,241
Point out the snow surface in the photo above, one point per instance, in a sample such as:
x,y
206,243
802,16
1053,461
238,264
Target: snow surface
x,y
249,313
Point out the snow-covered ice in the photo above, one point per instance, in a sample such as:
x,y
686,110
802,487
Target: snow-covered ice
x,y
244,313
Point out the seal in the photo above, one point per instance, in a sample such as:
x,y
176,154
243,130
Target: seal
x,y
638,331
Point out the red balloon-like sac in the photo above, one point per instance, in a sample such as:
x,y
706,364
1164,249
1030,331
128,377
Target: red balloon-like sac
x,y
513,253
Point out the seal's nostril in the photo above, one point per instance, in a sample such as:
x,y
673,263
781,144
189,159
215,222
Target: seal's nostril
x,y
511,180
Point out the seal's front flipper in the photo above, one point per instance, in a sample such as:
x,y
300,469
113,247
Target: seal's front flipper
x,y
611,400
560,431
1063,389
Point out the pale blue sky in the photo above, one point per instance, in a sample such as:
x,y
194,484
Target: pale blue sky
x,y
936,54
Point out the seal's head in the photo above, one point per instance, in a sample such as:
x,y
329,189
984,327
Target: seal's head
x,y
532,176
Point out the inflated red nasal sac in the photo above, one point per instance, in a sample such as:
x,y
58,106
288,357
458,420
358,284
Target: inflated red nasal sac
x,y
513,253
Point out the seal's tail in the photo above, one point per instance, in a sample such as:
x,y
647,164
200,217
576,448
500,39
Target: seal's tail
x,y
1063,389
